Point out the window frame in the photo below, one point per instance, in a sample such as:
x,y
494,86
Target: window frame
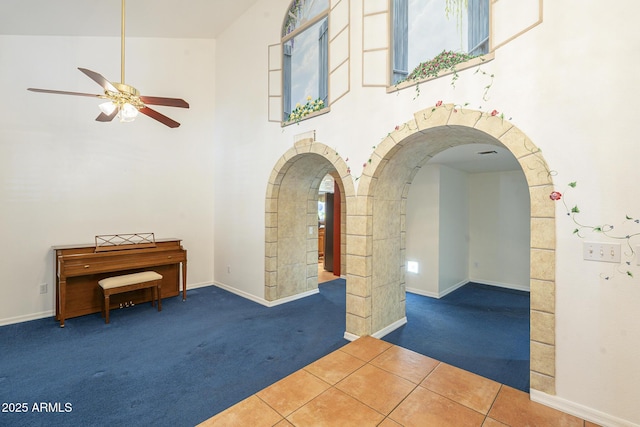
x,y
393,57
324,14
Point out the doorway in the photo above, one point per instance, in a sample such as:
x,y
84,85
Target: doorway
x,y
330,225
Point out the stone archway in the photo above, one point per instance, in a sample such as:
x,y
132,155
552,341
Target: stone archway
x,y
291,217
376,227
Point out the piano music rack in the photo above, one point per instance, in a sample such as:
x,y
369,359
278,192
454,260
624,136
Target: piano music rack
x,y
118,242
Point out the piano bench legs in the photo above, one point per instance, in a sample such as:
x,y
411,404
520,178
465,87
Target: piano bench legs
x,y
130,282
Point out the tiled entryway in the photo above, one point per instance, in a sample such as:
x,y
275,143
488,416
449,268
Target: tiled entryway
x,y
370,382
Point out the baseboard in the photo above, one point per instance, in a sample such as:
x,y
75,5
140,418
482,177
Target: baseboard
x,y
51,313
263,301
198,285
502,285
350,337
381,333
436,295
27,317
580,411
447,291
422,292
392,327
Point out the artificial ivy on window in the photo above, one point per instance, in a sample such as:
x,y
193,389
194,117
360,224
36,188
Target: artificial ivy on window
x,y
456,8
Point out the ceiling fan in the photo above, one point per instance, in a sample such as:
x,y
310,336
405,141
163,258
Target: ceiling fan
x,y
123,100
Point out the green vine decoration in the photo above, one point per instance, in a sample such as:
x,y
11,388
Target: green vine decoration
x,y
445,62
605,229
301,111
456,8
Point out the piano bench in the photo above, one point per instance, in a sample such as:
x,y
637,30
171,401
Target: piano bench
x,y
130,282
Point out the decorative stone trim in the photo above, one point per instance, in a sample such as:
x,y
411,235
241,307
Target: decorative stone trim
x,y
375,225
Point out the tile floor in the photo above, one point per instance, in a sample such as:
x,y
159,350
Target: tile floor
x,y
370,382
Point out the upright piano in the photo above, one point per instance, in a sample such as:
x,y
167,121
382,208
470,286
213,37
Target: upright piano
x,y
80,267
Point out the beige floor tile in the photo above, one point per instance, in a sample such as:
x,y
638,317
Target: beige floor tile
x,y
514,408
292,392
368,378
490,422
466,388
388,422
405,363
376,388
335,408
325,276
366,348
426,408
335,366
250,412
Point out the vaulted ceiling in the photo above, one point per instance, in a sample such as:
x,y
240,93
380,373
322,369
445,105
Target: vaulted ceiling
x,y
144,18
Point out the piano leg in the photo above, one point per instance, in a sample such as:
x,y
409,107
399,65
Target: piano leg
x,y
62,297
184,280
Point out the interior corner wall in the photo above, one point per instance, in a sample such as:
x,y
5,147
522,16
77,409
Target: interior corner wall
x,y
437,230
499,237
453,229
423,238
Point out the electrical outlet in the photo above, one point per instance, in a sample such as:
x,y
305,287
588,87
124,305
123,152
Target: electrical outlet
x,y
228,269
604,252
43,288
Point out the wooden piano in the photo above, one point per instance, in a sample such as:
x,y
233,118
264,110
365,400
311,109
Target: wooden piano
x,y
80,267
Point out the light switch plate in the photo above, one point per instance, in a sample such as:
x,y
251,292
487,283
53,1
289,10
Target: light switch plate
x,y
604,252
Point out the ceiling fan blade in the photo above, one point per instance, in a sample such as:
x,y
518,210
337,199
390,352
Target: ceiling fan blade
x,y
106,117
62,92
159,117
98,78
169,102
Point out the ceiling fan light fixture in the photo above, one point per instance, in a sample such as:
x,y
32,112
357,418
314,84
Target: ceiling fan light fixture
x,y
107,107
128,113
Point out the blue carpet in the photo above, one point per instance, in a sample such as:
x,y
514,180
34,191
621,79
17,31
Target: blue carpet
x,y
177,367
482,329
196,358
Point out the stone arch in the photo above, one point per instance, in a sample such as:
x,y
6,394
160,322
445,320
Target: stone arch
x,y
291,217
376,227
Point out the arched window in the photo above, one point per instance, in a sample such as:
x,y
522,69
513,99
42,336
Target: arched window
x,y
305,45
422,29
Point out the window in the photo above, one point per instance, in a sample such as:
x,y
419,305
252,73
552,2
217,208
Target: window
x,y
305,45
422,29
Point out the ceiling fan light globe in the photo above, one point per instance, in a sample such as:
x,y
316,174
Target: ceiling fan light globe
x,y
107,108
128,113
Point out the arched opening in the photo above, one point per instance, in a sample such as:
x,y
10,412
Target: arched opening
x,y
291,217
376,265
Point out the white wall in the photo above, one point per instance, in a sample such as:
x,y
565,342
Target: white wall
x,y
465,227
499,238
423,237
568,84
65,178
454,229
437,227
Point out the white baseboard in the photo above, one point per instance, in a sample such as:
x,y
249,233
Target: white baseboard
x,y
350,337
392,327
51,313
26,317
263,301
436,295
578,410
198,285
447,291
381,333
502,285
